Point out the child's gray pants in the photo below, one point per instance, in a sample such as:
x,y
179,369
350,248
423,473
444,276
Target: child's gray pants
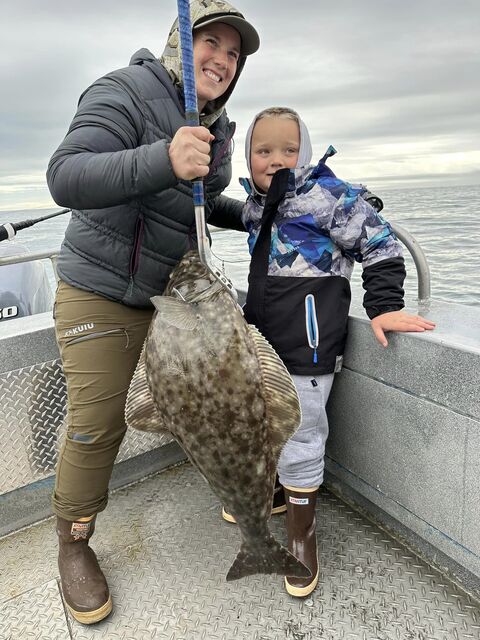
x,y
301,461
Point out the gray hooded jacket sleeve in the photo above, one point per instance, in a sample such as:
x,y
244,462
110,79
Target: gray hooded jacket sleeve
x,y
99,163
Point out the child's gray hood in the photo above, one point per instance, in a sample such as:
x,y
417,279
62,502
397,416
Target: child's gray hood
x,y
304,153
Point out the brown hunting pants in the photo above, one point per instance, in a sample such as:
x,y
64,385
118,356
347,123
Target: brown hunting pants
x,y
100,343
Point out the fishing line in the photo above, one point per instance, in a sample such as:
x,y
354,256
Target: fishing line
x,y
239,261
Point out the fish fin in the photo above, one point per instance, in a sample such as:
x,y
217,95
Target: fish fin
x,y
176,313
281,398
140,410
270,557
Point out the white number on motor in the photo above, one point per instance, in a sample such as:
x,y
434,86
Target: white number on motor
x,y
8,312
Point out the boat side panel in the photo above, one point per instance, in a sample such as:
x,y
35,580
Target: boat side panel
x,y
405,429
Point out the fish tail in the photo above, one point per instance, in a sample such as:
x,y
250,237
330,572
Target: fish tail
x,y
270,557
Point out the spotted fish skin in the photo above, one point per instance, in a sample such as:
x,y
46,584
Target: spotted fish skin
x,y
224,394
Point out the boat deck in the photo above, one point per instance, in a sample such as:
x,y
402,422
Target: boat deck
x,y
166,550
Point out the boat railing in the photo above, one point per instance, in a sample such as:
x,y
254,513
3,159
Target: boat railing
x,y
51,254
419,258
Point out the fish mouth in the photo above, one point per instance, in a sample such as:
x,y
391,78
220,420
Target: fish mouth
x,y
192,281
197,290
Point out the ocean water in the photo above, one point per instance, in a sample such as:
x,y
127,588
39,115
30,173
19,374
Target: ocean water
x,y
445,221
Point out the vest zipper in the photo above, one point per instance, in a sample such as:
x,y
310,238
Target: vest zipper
x,y
221,152
311,325
137,243
135,255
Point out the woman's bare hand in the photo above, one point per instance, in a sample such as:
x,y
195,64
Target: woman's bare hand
x,y
189,152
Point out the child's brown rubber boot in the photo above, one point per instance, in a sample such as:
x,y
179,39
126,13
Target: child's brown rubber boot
x,y
302,540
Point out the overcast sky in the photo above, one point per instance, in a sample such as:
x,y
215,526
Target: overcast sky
x,y
393,85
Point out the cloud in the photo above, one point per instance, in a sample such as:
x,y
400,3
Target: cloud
x,y
371,77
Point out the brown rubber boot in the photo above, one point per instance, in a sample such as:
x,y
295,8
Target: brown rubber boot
x,y
302,540
278,505
84,587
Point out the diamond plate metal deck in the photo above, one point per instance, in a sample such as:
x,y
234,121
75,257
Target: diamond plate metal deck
x,y
32,425
166,551
37,615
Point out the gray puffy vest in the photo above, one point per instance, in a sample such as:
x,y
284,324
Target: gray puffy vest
x,y
132,218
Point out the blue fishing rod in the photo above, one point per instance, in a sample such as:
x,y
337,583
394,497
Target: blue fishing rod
x,y
193,120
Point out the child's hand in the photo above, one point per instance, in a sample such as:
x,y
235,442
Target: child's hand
x,y
398,321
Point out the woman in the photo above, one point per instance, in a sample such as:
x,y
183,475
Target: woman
x,y
124,168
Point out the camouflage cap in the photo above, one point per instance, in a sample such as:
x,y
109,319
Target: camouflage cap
x,y
203,12
224,12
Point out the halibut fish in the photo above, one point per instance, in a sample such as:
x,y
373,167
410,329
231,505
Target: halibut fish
x,y
219,388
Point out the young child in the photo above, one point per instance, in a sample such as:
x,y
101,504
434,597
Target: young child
x,y
306,229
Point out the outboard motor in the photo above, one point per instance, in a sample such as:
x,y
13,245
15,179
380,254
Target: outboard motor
x,y
24,287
